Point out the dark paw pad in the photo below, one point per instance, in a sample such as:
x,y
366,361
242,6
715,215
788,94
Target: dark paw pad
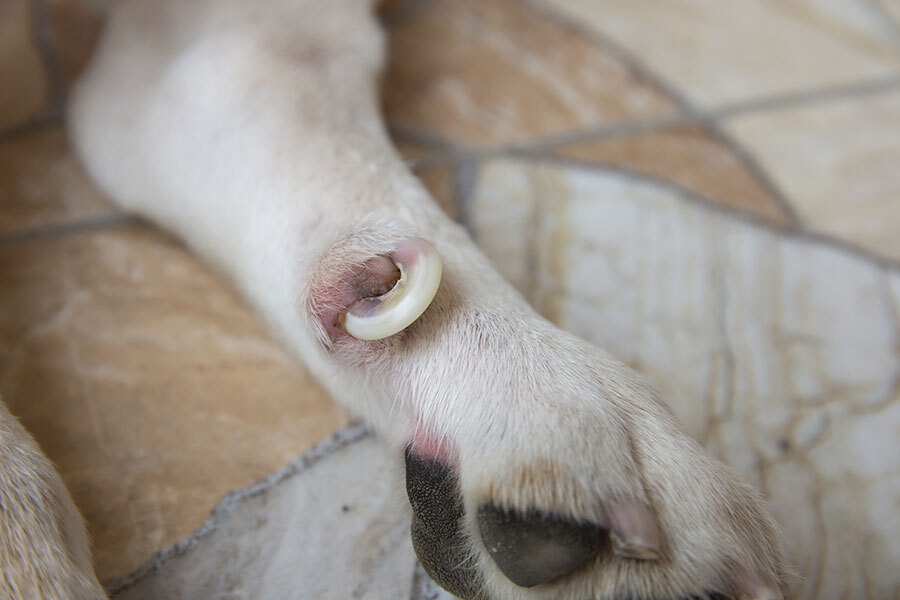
x,y
437,533
536,548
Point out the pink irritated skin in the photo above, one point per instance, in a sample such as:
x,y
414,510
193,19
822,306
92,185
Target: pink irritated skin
x,y
362,284
371,279
634,530
427,444
752,587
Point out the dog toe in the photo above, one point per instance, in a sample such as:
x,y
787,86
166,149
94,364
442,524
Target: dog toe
x,y
437,526
535,548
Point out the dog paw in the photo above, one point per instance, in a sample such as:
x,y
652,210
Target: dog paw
x,y
581,486
537,466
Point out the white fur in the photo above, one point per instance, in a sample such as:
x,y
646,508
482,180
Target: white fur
x,y
251,130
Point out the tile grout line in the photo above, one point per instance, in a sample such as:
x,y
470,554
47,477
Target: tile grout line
x,y
448,150
42,39
749,160
300,464
790,228
402,13
112,221
877,8
806,97
465,180
50,114
686,195
36,123
631,63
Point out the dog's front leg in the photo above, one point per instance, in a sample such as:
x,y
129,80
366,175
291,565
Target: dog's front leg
x,y
537,466
44,549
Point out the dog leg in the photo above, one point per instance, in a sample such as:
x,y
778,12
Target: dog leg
x,y
44,549
538,466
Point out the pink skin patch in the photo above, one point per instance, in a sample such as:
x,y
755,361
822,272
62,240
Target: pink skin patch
x,y
371,279
360,285
634,530
427,444
747,585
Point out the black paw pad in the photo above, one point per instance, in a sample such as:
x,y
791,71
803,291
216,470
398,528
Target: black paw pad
x,y
536,548
437,526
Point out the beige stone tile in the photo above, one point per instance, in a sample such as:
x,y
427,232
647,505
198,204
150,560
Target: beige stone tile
x,y
148,382
777,352
74,27
720,52
891,9
42,183
23,82
690,157
836,163
478,73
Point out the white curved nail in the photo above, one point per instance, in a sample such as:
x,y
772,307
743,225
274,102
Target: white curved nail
x,y
383,316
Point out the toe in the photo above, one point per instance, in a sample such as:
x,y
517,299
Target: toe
x,y
437,526
536,548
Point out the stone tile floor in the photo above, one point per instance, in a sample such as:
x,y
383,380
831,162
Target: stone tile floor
x,y
709,190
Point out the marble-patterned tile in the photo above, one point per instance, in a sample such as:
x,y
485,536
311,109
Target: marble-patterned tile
x,y
836,163
716,53
42,184
24,90
690,157
148,382
478,73
779,353
891,9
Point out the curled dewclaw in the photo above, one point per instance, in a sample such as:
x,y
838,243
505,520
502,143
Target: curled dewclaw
x,y
383,316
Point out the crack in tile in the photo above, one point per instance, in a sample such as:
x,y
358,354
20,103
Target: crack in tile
x,y
721,412
232,500
59,315
73,350
815,575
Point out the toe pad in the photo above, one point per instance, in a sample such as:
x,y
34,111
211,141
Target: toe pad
x,y
536,548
